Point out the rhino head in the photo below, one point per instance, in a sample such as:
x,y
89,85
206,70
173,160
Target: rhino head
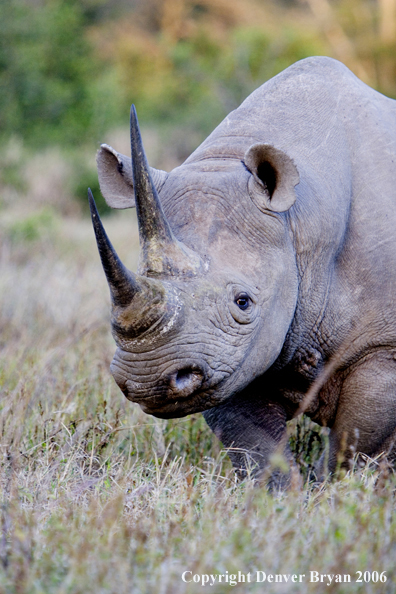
x,y
216,289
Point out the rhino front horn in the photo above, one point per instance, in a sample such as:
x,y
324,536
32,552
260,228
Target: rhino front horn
x,y
138,303
123,283
161,252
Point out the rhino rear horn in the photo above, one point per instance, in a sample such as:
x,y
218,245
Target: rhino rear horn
x,y
161,252
116,180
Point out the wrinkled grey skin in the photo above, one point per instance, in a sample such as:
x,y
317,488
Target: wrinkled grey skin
x,y
310,239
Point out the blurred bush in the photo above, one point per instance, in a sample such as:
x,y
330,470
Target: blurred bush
x,y
39,225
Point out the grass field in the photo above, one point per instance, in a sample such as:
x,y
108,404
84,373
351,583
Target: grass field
x,y
99,497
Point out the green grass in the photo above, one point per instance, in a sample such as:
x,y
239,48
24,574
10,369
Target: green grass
x,y
99,497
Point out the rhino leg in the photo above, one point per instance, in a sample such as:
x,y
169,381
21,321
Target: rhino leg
x,y
253,431
366,414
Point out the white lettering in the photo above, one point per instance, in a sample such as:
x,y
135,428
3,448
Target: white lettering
x,y
314,576
184,577
261,577
233,579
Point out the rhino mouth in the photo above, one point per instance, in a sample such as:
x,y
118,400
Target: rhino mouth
x,y
172,408
184,389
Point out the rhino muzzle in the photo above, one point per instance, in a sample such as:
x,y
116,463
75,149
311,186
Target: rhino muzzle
x,y
169,393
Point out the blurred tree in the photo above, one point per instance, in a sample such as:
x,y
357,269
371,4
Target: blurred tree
x,y
195,60
343,48
388,20
48,70
386,74
362,34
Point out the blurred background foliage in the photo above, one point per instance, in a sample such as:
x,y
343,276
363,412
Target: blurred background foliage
x,y
69,70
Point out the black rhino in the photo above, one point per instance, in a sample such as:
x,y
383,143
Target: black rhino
x,y
269,252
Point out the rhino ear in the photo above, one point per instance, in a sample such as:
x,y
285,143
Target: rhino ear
x,y
274,176
115,177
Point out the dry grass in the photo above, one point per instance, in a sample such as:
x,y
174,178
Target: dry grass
x,y
98,497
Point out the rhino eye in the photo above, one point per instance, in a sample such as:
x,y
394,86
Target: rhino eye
x,y
243,301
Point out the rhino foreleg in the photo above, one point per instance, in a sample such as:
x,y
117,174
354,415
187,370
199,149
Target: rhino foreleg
x,y
366,413
254,432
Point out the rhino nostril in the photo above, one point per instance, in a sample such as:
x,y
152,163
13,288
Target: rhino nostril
x,y
186,380
184,377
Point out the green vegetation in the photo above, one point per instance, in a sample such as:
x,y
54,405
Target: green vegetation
x,y
50,79
69,69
